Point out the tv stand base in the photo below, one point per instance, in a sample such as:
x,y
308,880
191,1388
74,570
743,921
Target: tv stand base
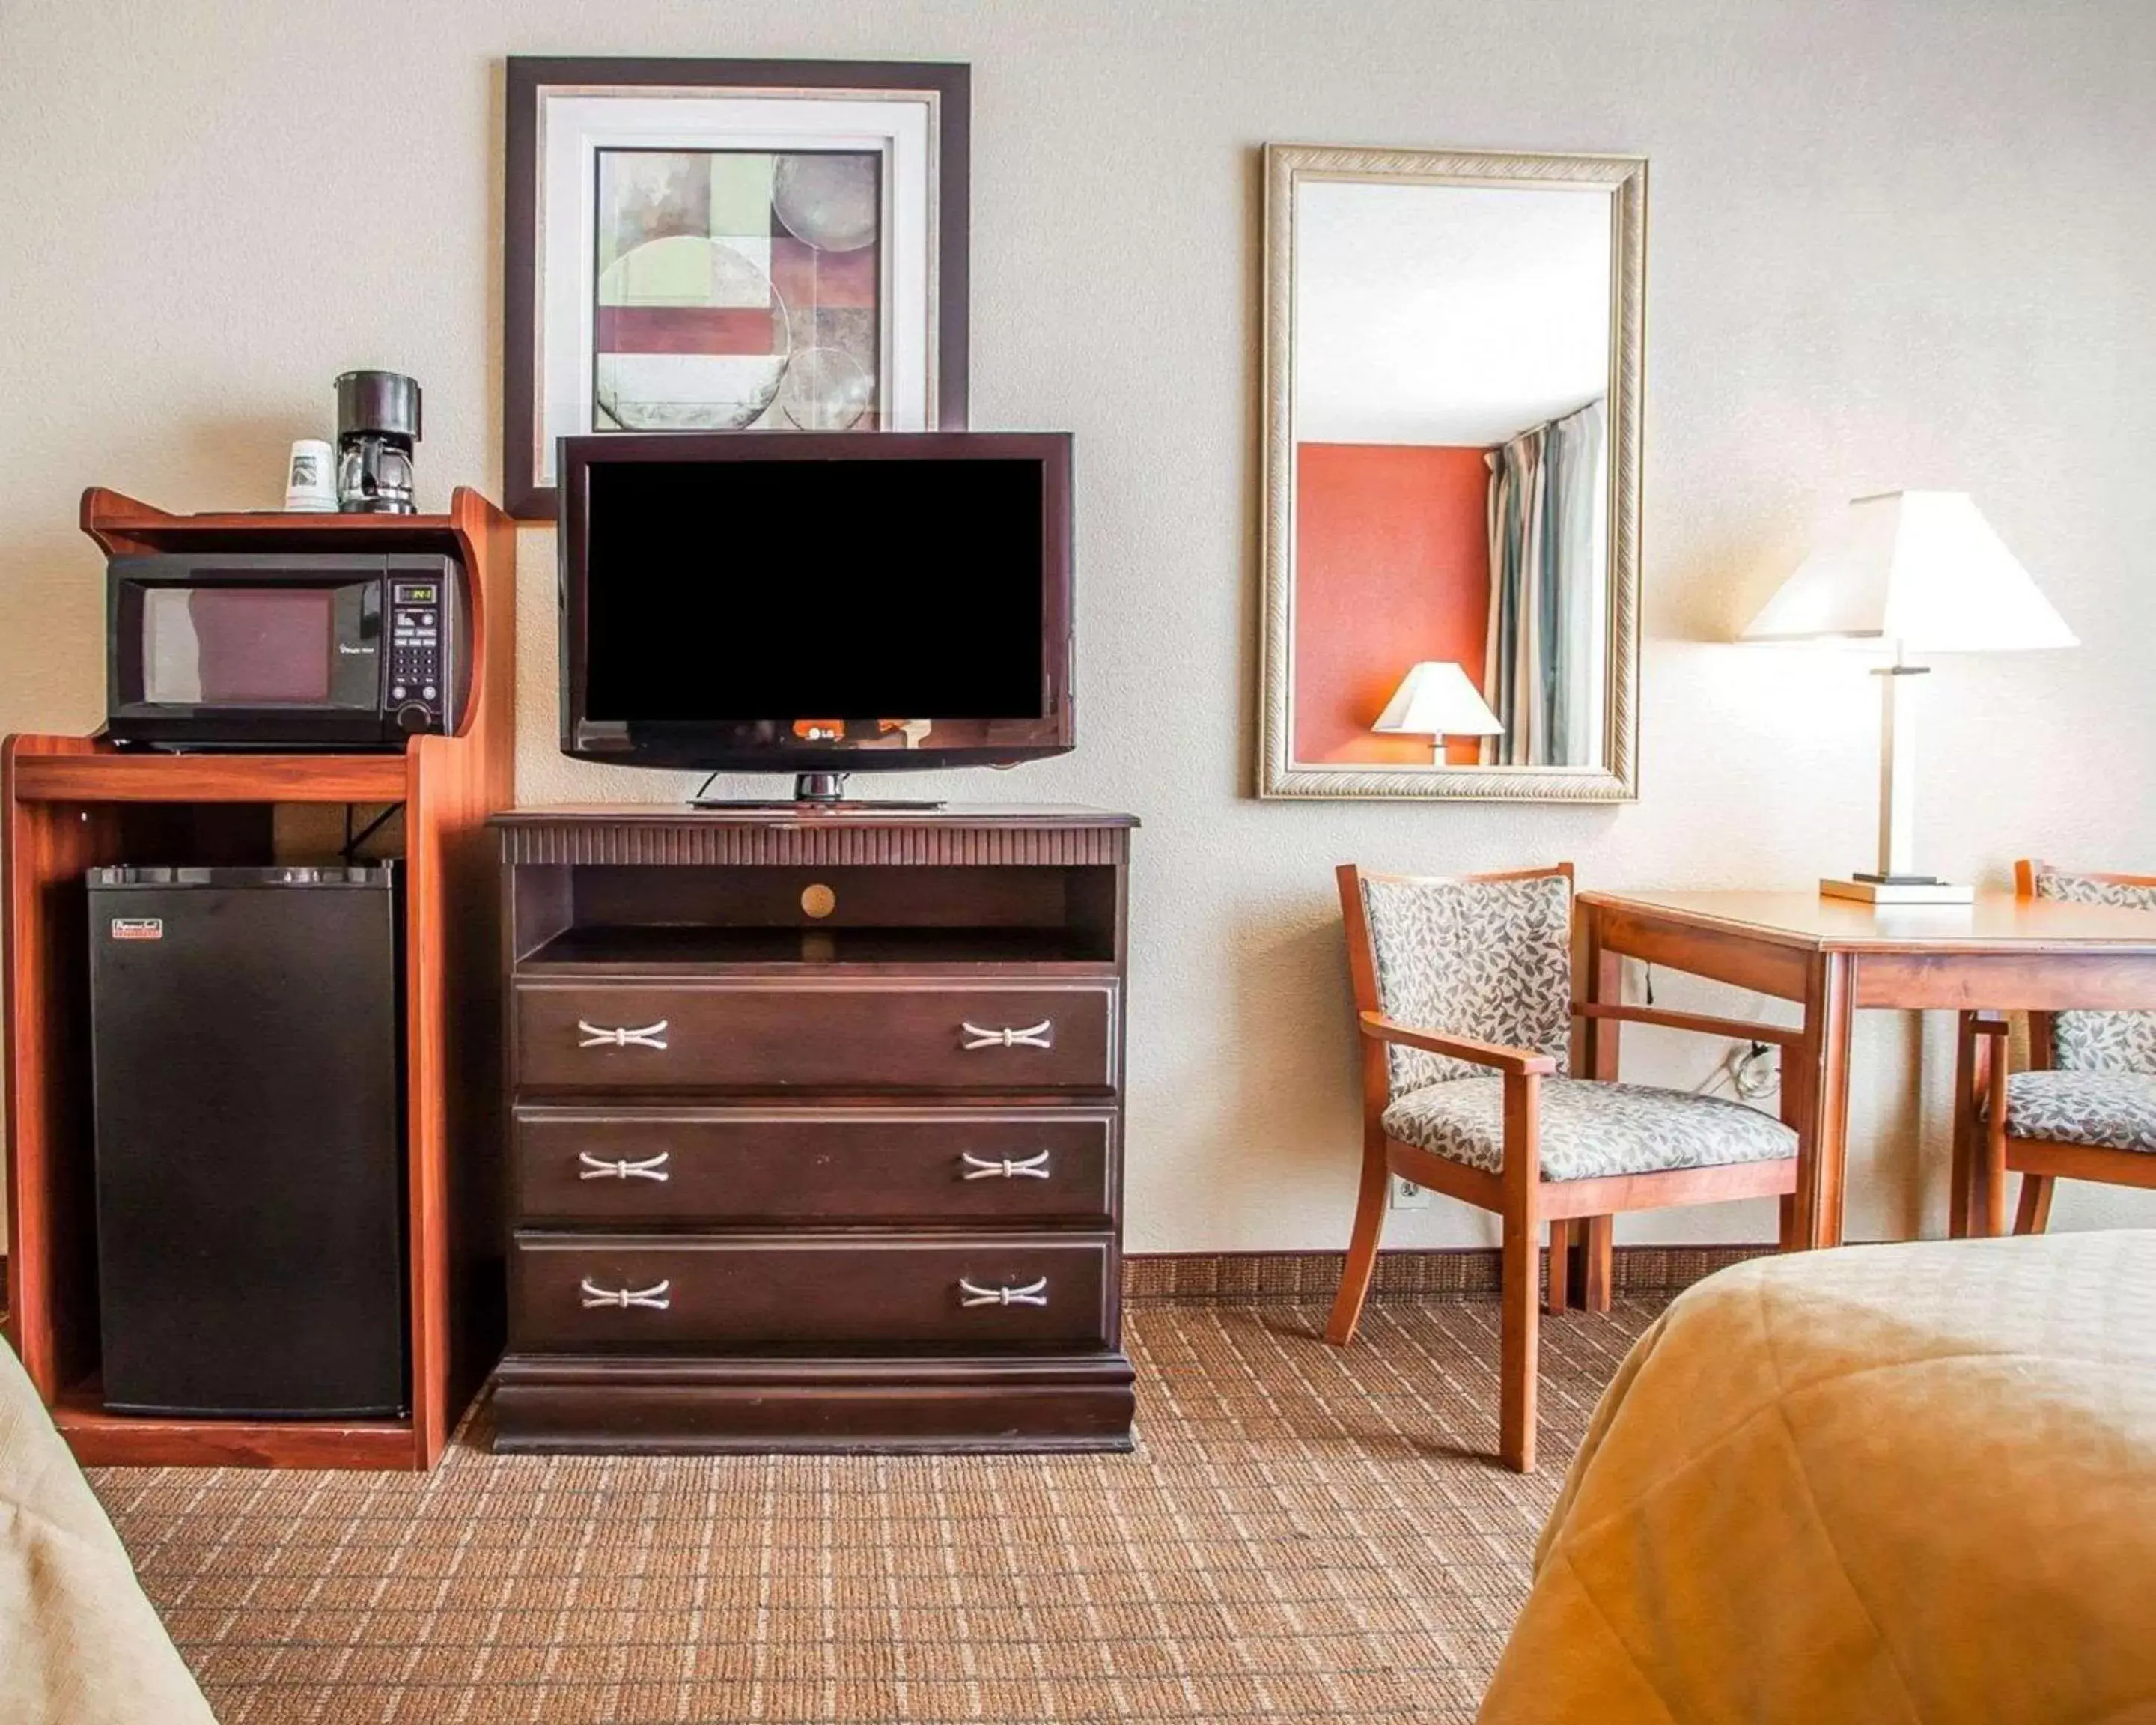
x,y
811,790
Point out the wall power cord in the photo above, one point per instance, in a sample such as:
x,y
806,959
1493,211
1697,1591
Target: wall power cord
x,y
1756,1072
1751,1070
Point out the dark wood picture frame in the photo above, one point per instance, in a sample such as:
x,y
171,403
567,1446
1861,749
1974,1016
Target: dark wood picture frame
x,y
528,77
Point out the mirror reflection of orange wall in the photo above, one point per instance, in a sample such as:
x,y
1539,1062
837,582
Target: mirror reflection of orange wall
x,y
1391,559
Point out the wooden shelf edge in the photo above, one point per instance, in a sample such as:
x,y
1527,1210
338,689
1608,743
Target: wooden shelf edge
x,y
119,522
142,519
102,1440
109,777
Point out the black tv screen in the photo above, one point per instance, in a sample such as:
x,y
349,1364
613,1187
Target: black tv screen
x,y
850,590
798,602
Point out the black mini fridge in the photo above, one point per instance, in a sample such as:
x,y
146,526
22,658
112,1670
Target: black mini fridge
x,y
250,1140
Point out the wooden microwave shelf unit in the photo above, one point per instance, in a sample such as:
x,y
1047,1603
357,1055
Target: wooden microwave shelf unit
x,y
71,803
815,1130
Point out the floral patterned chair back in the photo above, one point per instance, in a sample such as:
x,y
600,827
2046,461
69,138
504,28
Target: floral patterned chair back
x,y
2099,1042
1486,959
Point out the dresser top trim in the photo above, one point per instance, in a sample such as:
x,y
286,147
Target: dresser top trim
x,y
810,818
661,835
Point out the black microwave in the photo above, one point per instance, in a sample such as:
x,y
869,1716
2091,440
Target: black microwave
x,y
268,650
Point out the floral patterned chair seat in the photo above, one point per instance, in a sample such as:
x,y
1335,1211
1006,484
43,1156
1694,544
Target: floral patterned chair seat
x,y
1589,1129
2115,1111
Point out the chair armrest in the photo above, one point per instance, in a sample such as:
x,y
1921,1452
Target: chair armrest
x,y
1517,1060
1744,1029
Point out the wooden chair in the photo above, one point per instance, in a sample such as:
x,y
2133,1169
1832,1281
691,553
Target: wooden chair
x,y
2085,1110
1461,977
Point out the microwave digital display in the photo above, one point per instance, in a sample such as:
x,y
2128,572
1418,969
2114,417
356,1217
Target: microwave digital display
x,y
235,643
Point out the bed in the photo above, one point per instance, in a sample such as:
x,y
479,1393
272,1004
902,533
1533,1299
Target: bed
x,y
1883,1483
79,1645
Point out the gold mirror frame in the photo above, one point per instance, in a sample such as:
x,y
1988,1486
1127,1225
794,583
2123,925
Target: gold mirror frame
x,y
1625,179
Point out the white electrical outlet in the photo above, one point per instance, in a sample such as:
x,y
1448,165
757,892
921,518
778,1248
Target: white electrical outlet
x,y
1409,1196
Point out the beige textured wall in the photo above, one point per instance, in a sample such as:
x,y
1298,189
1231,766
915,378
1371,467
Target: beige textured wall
x,y
1893,242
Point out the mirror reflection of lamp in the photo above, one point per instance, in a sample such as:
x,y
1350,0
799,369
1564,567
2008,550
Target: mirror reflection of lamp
x,y
1436,700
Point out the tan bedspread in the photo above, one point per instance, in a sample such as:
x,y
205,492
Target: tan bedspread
x,y
79,1643
1886,1483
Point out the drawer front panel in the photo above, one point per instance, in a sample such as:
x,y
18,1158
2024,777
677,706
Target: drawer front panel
x,y
710,1165
625,1294
616,1036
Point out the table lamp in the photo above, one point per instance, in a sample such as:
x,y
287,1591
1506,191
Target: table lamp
x,y
1917,572
1436,699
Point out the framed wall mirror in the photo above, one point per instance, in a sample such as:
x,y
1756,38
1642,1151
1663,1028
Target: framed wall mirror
x,y
1452,397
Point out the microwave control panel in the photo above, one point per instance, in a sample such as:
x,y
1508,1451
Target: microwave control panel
x,y
419,662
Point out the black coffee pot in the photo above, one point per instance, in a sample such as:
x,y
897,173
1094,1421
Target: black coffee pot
x,y
377,424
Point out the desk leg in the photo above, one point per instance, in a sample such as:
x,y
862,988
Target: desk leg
x,y
1793,1116
1605,982
1815,1101
1969,1210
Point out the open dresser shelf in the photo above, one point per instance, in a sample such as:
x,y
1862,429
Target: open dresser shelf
x,y
72,803
816,1126
674,951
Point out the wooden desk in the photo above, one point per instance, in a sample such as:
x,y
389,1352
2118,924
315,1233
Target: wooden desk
x,y
1836,956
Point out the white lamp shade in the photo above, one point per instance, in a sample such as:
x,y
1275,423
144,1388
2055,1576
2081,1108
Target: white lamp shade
x,y
1435,699
1915,569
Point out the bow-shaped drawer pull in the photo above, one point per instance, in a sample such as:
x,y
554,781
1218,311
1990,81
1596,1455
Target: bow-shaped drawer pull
x,y
652,1299
1039,1035
598,1167
1008,1168
622,1036
1034,1293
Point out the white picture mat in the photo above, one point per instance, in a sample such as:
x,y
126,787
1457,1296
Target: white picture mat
x,y
573,127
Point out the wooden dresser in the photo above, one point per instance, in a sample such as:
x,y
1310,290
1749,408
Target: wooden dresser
x,y
815,1129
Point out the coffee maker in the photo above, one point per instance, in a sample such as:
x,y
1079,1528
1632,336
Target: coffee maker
x,y
377,424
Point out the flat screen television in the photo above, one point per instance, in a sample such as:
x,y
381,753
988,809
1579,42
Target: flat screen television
x,y
816,603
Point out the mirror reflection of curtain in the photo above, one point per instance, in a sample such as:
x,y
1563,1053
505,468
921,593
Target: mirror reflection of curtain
x,y
1542,676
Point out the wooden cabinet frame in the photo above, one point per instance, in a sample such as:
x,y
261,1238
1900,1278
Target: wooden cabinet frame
x,y
70,803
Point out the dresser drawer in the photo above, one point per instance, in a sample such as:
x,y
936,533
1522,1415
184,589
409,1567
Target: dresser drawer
x,y
853,1035
668,1167
618,1293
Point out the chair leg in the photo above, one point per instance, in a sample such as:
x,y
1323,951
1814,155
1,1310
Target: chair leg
x,y
1518,1336
1519,1313
1600,1256
1559,1294
1361,1248
2033,1214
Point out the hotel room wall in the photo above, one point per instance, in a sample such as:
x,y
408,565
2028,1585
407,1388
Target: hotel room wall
x,y
1898,244
1391,566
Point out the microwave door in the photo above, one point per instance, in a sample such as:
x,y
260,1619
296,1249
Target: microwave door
x,y
255,662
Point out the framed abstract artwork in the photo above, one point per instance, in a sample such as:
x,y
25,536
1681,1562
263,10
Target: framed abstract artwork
x,y
718,245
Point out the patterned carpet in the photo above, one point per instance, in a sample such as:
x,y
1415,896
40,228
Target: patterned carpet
x,y
1304,1534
